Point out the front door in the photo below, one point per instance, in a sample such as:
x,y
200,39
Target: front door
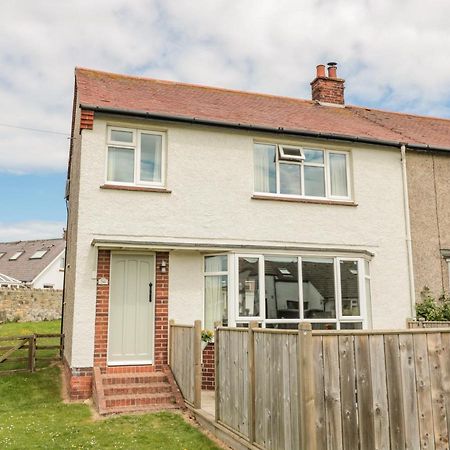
x,y
131,309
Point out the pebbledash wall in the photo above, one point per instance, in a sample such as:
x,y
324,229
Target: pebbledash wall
x,y
210,179
29,305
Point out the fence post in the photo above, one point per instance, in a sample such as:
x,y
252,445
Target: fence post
x,y
171,322
251,380
216,372
197,364
32,353
305,375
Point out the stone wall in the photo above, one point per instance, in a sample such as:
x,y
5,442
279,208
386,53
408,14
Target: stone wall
x,y
29,305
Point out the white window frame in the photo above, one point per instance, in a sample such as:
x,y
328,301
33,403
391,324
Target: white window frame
x,y
233,300
261,286
280,158
218,273
135,146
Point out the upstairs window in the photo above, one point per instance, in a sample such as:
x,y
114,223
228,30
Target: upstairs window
x,y
301,172
135,157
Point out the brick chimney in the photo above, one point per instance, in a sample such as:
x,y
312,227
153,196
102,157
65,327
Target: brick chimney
x,y
328,90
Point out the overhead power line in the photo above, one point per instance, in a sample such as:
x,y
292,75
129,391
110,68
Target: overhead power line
x,y
38,130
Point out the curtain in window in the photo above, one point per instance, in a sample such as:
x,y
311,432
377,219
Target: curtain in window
x,y
120,164
151,155
216,291
265,173
338,174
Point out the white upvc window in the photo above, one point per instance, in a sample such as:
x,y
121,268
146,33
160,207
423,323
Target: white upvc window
x,y
135,157
279,291
216,285
305,172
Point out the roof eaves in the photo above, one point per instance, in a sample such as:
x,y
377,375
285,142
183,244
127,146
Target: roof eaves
x,y
226,124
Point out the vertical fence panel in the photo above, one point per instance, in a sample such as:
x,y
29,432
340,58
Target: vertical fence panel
x,y
379,392
436,364
319,393
364,389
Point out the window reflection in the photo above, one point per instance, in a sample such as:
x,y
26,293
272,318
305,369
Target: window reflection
x,y
282,296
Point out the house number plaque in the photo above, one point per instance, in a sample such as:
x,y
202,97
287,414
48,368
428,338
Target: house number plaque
x,y
102,281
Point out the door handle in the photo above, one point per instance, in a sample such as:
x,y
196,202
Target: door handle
x,y
150,290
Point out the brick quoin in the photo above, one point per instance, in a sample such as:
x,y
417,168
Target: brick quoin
x,y
208,368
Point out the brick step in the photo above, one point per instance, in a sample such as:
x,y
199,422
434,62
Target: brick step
x,y
137,409
136,388
139,400
120,378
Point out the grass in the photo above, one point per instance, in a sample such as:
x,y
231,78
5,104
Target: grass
x,y
32,416
21,328
27,328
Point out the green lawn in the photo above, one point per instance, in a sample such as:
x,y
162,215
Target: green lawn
x,y
32,416
43,356
21,328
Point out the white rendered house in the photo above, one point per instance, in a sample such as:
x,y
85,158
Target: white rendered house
x,y
188,202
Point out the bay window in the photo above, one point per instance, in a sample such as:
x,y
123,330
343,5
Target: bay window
x,y
135,157
300,171
279,291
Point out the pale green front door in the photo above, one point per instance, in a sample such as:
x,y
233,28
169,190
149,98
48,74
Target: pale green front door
x,y
131,309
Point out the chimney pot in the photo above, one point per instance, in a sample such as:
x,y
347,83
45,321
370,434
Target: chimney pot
x,y
320,70
332,69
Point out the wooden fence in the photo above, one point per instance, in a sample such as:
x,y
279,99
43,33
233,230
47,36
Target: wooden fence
x,y
335,390
25,353
185,360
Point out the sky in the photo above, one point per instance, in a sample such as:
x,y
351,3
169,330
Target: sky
x,y
393,55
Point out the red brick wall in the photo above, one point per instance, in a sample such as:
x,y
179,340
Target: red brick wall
x,y
102,309
79,382
161,310
328,90
208,368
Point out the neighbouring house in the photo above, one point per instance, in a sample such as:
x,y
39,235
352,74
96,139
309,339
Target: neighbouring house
x,y
37,264
8,282
190,202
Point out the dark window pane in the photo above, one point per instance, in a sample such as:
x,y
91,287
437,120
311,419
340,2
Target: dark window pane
x,y
248,287
282,296
290,179
314,181
319,299
283,326
351,326
350,288
265,172
323,326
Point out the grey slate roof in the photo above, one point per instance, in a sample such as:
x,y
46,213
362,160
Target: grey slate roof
x,y
24,268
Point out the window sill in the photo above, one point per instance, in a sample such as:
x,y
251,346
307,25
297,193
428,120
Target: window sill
x,y
136,188
304,200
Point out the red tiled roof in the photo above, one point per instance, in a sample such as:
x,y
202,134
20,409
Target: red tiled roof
x,y
167,98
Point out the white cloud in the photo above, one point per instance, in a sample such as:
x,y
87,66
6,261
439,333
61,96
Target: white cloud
x,y
29,230
392,54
